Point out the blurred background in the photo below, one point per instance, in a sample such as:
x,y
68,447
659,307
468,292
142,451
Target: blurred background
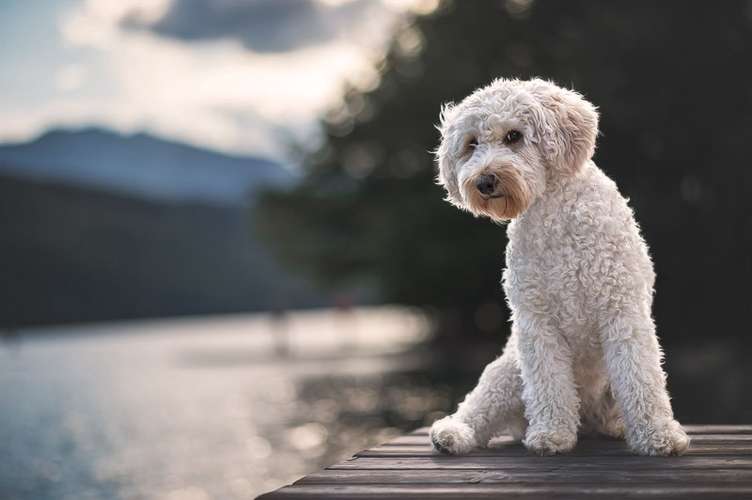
x,y
226,263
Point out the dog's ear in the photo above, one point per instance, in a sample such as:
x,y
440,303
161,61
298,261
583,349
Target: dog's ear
x,y
446,156
568,126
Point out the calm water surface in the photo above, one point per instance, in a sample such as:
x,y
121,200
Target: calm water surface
x,y
230,407
205,408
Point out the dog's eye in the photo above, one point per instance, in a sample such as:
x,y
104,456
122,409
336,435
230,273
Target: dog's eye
x,y
512,137
471,144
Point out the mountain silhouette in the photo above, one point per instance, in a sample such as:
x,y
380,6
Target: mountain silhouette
x,y
99,226
141,165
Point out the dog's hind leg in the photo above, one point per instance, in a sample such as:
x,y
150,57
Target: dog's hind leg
x,y
494,404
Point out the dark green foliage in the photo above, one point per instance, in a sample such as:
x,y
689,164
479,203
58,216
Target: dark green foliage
x,y
673,82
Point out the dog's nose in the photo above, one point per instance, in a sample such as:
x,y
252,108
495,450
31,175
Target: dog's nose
x,y
486,184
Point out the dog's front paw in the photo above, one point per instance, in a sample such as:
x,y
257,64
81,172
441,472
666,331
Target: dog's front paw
x,y
452,436
549,442
661,439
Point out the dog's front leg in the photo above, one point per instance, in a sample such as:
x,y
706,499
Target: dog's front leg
x,y
549,391
633,359
494,405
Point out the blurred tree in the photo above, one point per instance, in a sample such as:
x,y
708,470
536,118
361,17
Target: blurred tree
x,y
673,82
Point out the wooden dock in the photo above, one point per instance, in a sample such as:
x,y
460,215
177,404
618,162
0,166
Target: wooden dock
x,y
718,465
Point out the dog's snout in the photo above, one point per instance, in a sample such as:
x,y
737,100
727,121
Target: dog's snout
x,y
486,184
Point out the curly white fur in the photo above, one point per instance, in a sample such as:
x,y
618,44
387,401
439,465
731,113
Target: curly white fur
x,y
583,354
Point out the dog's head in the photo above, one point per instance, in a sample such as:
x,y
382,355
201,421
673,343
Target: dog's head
x,y
504,143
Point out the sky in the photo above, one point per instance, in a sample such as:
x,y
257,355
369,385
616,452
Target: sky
x,y
238,76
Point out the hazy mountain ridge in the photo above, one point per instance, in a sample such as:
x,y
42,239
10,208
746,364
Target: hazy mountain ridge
x,y
140,165
99,226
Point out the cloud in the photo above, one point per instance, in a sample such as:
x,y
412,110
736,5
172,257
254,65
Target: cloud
x,y
212,91
216,93
70,77
261,25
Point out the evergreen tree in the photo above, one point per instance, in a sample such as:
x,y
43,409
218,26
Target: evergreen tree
x,y
672,80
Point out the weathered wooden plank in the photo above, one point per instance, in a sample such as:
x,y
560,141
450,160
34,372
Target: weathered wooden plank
x,y
582,450
718,465
534,490
691,429
739,477
558,462
718,429
696,438
699,438
702,444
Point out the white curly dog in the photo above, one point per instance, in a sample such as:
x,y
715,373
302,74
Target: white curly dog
x,y
583,353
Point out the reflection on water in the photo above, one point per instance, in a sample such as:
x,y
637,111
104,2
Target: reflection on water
x,y
195,409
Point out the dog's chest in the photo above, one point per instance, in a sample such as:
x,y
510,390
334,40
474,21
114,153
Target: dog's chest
x,y
546,251
545,261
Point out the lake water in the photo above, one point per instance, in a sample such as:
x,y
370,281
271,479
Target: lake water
x,y
230,407
199,409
